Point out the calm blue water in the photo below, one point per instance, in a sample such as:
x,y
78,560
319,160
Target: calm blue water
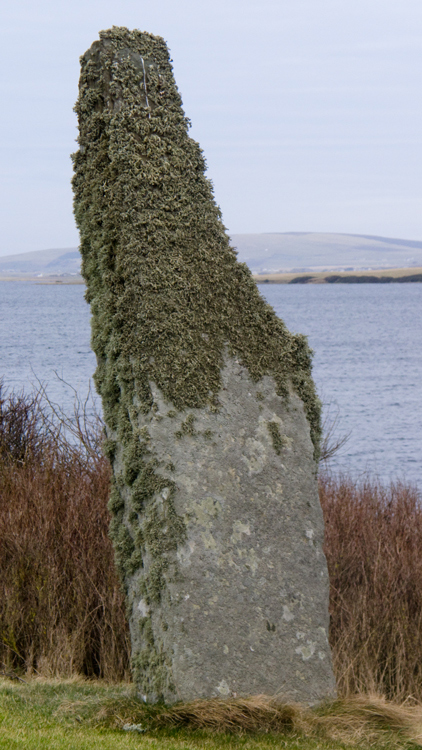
x,y
367,365
367,341
45,337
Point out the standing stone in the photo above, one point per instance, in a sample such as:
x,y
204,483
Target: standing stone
x,y
212,419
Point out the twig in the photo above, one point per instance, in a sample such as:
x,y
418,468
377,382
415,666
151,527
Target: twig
x,y
331,444
11,674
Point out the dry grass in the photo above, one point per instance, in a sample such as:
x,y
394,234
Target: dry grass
x,y
373,547
258,713
61,607
350,720
363,719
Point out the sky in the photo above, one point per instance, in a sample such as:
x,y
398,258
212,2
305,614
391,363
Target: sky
x,y
308,111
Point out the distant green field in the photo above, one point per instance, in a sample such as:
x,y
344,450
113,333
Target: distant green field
x,y
77,715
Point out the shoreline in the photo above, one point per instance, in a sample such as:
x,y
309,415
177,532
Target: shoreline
x,y
384,276
46,280
332,276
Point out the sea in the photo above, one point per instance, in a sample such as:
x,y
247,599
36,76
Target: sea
x,y
367,363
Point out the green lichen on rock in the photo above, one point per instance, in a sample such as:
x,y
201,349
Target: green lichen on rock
x,y
187,427
168,297
166,291
276,437
154,662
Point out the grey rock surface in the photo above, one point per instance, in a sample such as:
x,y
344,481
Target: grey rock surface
x,y
245,609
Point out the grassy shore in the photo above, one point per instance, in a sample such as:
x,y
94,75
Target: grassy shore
x,y
333,276
72,714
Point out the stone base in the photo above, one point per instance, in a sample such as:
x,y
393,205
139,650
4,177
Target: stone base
x,y
244,605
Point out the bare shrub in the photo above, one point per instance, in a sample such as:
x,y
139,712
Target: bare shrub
x,y
332,442
373,544
61,607
22,430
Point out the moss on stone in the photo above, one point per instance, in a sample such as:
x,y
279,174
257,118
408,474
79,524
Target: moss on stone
x,y
151,666
187,427
167,294
276,437
166,290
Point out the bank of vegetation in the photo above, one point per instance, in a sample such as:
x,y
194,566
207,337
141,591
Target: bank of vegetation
x,y
62,612
350,276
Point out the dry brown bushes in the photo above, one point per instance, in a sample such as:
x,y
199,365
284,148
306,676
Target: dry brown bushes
x,y
373,544
61,607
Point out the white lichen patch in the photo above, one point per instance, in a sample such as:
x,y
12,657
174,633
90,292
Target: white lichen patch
x,y
184,553
250,559
257,448
306,651
143,608
239,529
288,615
255,456
204,512
208,540
223,688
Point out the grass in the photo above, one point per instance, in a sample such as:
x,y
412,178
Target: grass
x,y
70,714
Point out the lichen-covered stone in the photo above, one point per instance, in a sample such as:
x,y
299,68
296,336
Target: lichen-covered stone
x,y
212,418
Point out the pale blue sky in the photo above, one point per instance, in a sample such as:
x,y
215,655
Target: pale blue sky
x,y
309,111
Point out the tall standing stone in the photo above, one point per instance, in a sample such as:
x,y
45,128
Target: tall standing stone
x,y
212,419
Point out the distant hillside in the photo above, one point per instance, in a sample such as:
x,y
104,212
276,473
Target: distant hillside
x,y
263,253
62,262
315,251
